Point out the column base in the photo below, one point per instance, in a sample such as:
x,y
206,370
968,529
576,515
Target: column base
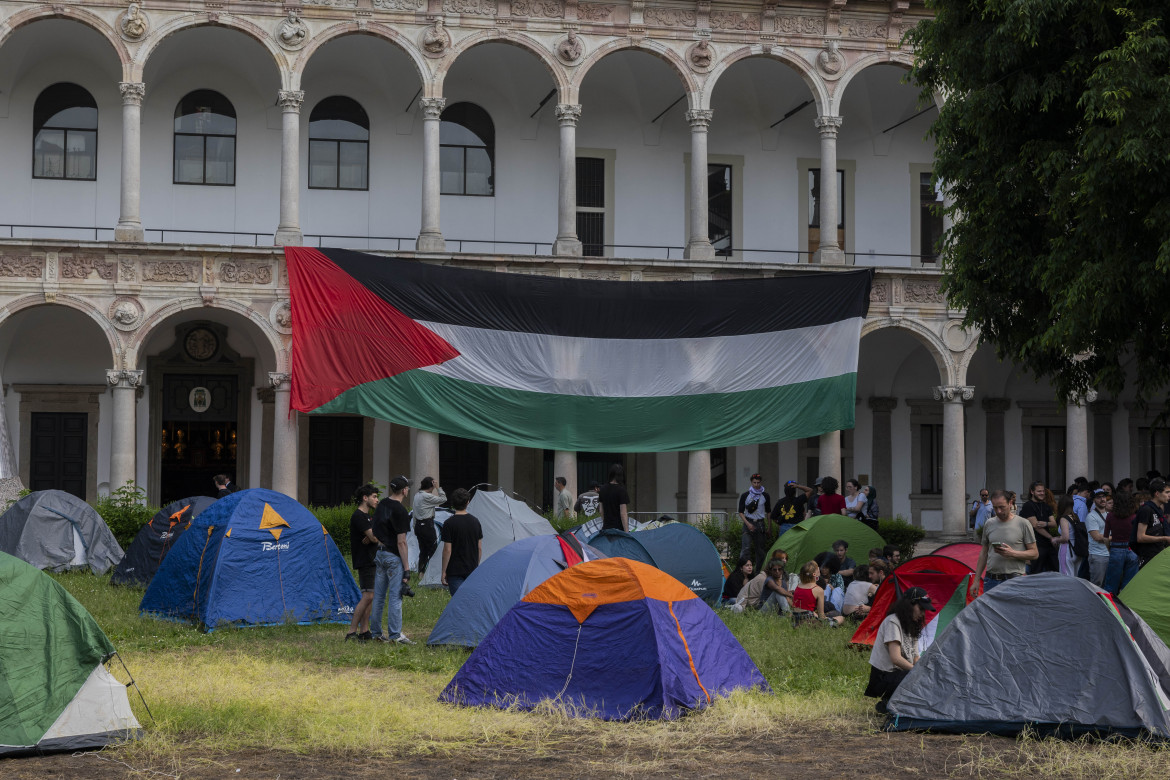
x,y
699,250
132,233
430,242
288,237
829,256
567,247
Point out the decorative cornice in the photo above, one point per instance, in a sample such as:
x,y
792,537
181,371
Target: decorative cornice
x,y
124,377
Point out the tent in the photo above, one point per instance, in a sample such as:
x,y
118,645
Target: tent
x,y
947,582
55,691
155,539
1146,594
1015,659
504,520
967,552
682,551
591,528
613,639
815,535
497,584
256,557
52,529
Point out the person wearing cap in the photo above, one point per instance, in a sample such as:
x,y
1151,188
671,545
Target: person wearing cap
x,y
754,506
428,498
895,650
390,525
1098,543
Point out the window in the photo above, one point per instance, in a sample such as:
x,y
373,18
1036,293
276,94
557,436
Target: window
x,y
930,221
467,151
339,145
591,205
814,209
930,458
720,209
1153,450
205,139
1048,455
719,470
65,134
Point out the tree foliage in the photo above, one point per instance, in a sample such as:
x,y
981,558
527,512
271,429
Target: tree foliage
x,y
1053,146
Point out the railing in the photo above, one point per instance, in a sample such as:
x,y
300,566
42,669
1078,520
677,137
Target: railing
x,y
690,518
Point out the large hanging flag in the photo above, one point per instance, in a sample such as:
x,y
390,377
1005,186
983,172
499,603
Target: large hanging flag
x,y
573,364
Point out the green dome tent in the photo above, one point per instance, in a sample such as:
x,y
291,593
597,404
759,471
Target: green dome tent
x,y
1146,594
55,691
805,540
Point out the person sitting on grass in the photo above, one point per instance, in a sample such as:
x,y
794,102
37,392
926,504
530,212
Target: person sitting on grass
x,y
832,581
859,595
892,554
777,597
895,650
810,597
739,578
875,555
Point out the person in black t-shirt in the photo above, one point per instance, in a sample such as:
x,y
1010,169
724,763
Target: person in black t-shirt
x,y
614,500
791,509
390,525
1150,531
1037,512
362,546
462,542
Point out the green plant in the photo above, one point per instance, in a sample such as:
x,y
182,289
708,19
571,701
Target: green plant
x,y
125,511
903,535
336,522
727,539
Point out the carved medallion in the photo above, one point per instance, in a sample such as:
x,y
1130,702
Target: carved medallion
x,y
830,61
201,344
126,313
292,32
280,315
570,49
133,24
435,40
700,56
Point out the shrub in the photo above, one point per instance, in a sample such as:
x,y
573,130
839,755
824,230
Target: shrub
x,y
125,512
898,532
727,540
336,522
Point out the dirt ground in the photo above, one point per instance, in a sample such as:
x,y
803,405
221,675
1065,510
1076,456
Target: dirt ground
x,y
809,754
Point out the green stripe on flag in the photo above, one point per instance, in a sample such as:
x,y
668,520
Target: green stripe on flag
x,y
954,606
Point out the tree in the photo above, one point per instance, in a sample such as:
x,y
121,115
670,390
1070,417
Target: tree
x,y
1054,148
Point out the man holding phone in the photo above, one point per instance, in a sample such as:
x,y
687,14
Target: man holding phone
x,y
1009,542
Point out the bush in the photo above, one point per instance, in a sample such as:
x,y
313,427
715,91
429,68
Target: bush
x,y
125,512
898,532
336,522
726,540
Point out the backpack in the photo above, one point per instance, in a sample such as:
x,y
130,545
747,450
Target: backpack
x,y
1080,540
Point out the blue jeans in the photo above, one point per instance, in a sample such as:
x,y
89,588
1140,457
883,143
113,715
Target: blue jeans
x,y
1123,564
387,585
989,583
453,584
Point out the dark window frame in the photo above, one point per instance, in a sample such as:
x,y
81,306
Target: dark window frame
x,y
1051,471
725,196
930,440
66,130
337,142
176,134
929,221
488,147
591,205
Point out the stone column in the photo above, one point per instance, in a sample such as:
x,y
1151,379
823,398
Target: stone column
x,y
288,232
426,458
565,465
267,398
829,455
1102,439
993,409
954,462
123,440
1076,444
567,243
698,483
828,253
284,437
883,449
430,237
129,226
699,241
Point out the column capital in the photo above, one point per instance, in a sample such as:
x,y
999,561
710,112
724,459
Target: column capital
x,y
432,108
954,393
882,404
699,118
133,92
124,378
1088,397
996,405
828,125
568,113
280,381
290,99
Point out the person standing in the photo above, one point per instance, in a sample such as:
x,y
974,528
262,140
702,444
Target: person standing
x,y
462,542
224,486
790,510
754,506
362,546
1151,533
390,525
615,500
980,510
564,502
1119,530
830,501
1039,513
1009,542
1098,544
429,498
854,500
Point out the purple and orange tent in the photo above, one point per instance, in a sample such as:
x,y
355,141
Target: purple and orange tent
x,y
614,639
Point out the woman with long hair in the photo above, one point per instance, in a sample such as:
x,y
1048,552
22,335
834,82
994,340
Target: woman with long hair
x,y
895,650
614,500
830,502
1067,518
855,499
1123,562
737,579
810,597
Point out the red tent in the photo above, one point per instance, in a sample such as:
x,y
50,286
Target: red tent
x,y
946,580
967,552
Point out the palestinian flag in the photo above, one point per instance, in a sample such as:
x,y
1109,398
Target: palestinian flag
x,y
575,364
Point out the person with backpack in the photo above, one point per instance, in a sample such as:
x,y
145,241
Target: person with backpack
x,y
1072,545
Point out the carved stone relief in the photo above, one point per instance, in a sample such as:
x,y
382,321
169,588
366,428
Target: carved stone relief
x,y
830,61
863,28
332,3
539,9
24,266
879,292
922,292
291,32
700,56
245,273
570,49
435,40
188,271
800,25
280,315
82,266
133,24
595,12
400,5
126,313
126,270
733,20
669,17
470,7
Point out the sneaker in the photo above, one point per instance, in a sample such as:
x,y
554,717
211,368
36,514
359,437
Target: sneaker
x,y
403,639
365,636
381,638
882,707
351,635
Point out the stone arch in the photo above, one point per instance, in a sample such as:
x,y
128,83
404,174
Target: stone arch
x,y
948,372
35,300
901,58
532,46
190,21
74,13
380,31
280,358
658,49
807,73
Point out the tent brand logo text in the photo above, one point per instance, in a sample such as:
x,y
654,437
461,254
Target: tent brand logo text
x,y
697,586
269,546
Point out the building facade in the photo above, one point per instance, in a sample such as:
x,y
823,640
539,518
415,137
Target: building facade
x,y
156,155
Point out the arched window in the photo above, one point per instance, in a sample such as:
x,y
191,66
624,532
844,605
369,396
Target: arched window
x,y
467,151
339,145
65,133
205,139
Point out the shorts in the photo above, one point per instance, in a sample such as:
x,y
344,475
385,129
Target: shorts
x,y
366,578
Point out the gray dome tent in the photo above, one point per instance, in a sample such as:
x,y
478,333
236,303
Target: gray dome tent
x,y
1013,659
52,529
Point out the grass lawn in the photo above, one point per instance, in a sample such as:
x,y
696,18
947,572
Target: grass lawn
x,y
301,690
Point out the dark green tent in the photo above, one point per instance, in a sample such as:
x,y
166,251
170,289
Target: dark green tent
x,y
806,540
1146,594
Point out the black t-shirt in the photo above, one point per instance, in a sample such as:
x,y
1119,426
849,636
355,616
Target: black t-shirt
x,y
463,533
390,520
612,495
1041,511
1155,521
790,510
362,554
